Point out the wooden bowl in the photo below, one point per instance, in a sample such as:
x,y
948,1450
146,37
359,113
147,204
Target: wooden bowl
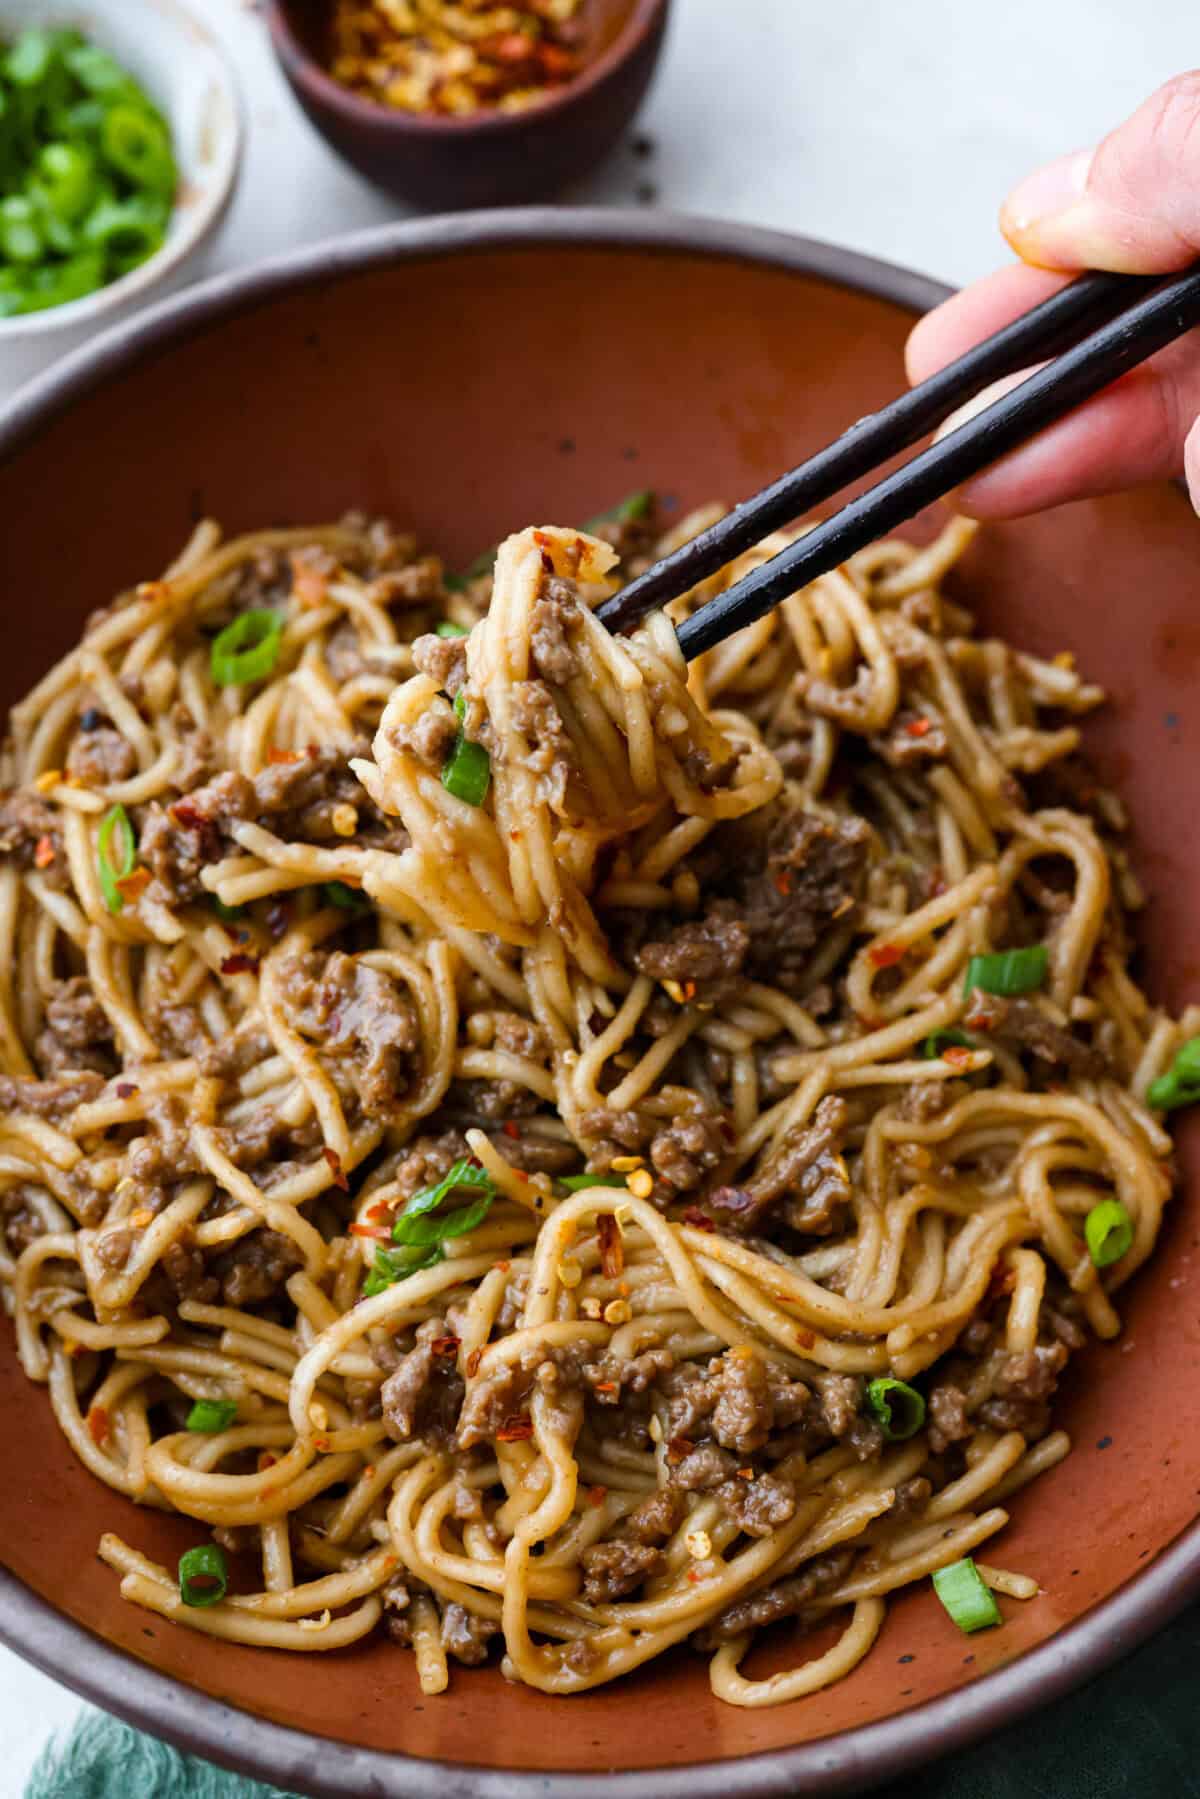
x,y
563,360
441,163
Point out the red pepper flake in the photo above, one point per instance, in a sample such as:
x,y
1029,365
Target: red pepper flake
x,y
919,727
516,1430
606,1386
240,963
745,1474
542,540
886,955
373,1232
339,1173
597,1495
677,1448
1003,1280
444,1346
321,1444
125,1089
43,854
266,1460
504,1267
557,64
382,1209
783,882
511,1130
957,1056
695,1576
515,836
132,886
280,758
805,1338
97,1423
473,1361
612,1250
699,1220
688,990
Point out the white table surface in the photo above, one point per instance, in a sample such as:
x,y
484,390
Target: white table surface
x,y
895,126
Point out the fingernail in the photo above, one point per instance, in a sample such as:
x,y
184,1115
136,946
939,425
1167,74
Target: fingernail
x,y
1050,191
980,403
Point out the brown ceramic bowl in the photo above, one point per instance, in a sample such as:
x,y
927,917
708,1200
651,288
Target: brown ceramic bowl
x,y
487,158
564,359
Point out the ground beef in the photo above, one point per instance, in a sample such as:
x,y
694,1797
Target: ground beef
x,y
656,1518
805,1172
813,874
495,1398
911,1497
113,1248
354,1012
612,1134
761,1505
705,950
77,1032
256,1268
426,1159
1022,1389
684,1152
261,1137
429,738
911,739
786,1599
20,1222
613,1569
235,1054
550,754
443,659
744,1412
30,837
841,1404
610,1379
423,1396
398,1596
466,1636
495,1102
1022,1024
197,756
923,1101
101,757
54,1099
553,624
178,1030
187,1272
947,1412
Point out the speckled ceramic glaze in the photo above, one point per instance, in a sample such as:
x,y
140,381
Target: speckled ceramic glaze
x,y
470,376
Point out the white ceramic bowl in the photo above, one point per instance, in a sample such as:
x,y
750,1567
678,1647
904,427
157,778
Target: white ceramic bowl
x,y
177,60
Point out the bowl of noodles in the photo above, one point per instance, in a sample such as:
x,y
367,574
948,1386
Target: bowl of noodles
x,y
536,1182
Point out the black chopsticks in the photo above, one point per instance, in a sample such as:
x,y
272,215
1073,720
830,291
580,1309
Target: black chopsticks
x,y
1126,318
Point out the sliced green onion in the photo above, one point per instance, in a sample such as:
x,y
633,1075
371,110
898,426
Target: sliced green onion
x,y
392,1265
933,1045
1180,1086
346,899
468,770
626,512
136,144
116,851
965,1595
446,627
21,238
1009,971
577,1183
203,1575
128,231
212,1415
248,649
898,1408
422,1224
28,62
100,73
1109,1232
66,177
227,914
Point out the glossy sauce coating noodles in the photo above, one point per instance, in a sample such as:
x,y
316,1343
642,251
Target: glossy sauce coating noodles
x,y
490,1118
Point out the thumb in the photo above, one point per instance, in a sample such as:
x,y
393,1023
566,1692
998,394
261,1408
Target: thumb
x,y
1131,205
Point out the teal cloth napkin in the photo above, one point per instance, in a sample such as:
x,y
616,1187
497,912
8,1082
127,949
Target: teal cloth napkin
x,y
1132,1734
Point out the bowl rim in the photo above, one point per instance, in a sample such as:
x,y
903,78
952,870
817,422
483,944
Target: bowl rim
x,y
199,222
305,72
204,1726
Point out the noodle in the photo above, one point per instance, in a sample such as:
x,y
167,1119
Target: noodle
x,y
339,1013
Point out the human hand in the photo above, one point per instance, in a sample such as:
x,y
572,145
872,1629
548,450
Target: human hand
x,y
1131,205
